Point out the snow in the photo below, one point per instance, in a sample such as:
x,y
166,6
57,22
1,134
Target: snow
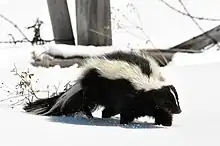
x,y
69,50
198,124
193,59
196,77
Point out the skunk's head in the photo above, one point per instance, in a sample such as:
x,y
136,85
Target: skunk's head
x,y
167,98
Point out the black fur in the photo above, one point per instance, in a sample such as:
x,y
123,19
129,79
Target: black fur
x,y
163,117
118,97
165,92
165,106
44,104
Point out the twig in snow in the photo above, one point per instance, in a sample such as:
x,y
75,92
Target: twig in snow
x,y
25,82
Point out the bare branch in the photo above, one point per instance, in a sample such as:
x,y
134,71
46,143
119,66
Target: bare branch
x,y
12,37
135,25
6,19
197,24
141,25
31,89
186,14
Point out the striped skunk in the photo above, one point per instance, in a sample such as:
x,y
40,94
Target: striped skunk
x,y
123,83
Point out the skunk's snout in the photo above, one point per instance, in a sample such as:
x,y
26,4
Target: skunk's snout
x,y
176,111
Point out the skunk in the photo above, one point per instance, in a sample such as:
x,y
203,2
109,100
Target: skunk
x,y
122,83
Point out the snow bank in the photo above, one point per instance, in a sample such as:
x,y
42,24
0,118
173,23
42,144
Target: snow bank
x,y
70,50
206,57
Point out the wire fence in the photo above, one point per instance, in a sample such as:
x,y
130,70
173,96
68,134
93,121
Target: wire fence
x,y
38,40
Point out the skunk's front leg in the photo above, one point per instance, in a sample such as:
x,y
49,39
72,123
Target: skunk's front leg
x,y
86,110
163,117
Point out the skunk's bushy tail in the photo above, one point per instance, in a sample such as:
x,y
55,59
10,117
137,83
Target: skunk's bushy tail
x,y
66,103
41,106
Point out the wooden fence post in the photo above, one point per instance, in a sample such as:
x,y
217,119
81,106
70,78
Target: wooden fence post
x,y
60,19
93,22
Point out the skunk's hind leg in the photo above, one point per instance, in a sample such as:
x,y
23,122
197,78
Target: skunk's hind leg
x,y
126,116
87,111
108,112
88,107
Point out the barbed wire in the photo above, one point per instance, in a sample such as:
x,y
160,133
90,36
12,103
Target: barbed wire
x,y
43,41
35,40
197,24
186,14
190,16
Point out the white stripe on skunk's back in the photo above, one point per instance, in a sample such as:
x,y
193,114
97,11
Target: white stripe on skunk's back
x,y
114,69
155,67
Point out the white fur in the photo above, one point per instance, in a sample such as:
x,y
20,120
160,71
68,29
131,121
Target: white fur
x,y
114,69
65,97
175,98
156,72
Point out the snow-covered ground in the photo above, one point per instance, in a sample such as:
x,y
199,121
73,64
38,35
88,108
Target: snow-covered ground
x,y
196,77
198,124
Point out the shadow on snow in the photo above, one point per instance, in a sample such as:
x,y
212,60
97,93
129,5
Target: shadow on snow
x,y
113,122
